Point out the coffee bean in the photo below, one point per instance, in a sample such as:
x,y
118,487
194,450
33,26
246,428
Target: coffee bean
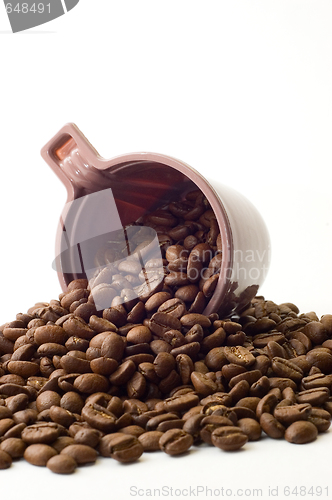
x,y
301,432
139,334
23,368
203,385
289,414
14,446
5,459
81,453
62,464
89,383
320,358
89,437
176,307
50,333
150,440
175,442
228,438
113,346
99,418
41,432
285,368
316,396
250,427
189,320
61,442
161,322
61,416
266,404
209,424
239,355
39,454
47,399
251,377
72,402
216,339
181,403
271,426
122,447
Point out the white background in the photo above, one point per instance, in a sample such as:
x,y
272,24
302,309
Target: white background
x,y
240,90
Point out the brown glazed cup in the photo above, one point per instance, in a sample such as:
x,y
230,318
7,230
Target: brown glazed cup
x,y
105,198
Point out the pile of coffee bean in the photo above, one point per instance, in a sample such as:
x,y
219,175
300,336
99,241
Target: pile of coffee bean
x,y
185,257
75,385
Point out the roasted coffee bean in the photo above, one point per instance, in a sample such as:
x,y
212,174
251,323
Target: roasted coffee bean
x,y
150,440
47,399
153,422
301,432
14,446
170,382
122,447
189,320
5,425
251,377
39,454
113,346
281,383
23,368
320,358
185,367
209,424
50,333
136,386
27,417
250,427
5,459
285,368
181,403
89,383
316,396
81,453
248,402
266,404
41,432
164,363
316,332
161,322
61,416
62,464
203,385
175,441
72,402
89,437
123,374
239,355
271,426
61,442
316,380
103,366
261,340
289,414
99,418
17,403
74,364
138,334
133,430
228,438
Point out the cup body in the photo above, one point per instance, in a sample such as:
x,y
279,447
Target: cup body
x,y
105,196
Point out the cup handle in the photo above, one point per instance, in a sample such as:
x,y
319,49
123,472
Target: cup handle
x,y
73,159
